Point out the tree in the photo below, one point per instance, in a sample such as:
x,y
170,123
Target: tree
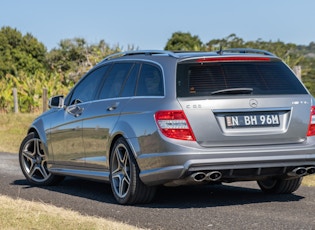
x,y
18,52
287,51
184,42
75,56
231,41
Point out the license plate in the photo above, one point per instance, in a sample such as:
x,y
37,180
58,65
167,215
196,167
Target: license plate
x,y
252,120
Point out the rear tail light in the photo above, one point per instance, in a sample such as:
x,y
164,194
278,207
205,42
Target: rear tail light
x,y
174,124
311,126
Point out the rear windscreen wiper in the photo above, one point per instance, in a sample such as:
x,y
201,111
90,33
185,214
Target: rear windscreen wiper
x,y
233,91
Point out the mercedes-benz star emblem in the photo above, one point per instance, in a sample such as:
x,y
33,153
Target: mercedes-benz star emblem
x,y
253,103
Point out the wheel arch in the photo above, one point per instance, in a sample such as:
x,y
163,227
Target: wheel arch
x,y
124,130
33,130
38,129
132,142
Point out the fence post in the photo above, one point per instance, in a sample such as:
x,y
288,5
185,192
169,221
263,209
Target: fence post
x,y
45,102
15,99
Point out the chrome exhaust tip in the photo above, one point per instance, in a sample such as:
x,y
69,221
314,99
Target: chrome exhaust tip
x,y
198,176
310,170
214,176
299,171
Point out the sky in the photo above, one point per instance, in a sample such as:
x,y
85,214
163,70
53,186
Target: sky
x,y
148,24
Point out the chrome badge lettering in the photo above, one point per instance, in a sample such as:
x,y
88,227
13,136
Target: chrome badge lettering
x,y
193,106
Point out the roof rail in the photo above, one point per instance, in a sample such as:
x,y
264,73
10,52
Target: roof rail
x,y
246,50
138,52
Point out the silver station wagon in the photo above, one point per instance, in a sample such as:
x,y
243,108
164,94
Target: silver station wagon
x,y
142,119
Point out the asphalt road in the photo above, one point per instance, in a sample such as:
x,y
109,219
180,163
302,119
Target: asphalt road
x,y
228,206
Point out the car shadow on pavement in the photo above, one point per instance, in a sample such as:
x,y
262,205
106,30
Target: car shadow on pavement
x,y
217,195
183,197
96,191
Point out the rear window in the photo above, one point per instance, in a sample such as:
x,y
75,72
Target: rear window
x,y
218,78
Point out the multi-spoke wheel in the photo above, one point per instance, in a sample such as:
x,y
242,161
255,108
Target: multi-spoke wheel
x,y
272,185
124,176
33,162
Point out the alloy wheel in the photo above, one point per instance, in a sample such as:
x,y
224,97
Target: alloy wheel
x,y
34,160
121,171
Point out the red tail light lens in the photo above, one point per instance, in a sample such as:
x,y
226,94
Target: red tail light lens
x,y
174,124
311,126
228,59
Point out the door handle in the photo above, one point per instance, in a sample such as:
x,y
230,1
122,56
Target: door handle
x,y
78,112
75,111
113,107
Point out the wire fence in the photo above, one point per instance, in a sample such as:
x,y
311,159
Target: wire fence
x,y
16,104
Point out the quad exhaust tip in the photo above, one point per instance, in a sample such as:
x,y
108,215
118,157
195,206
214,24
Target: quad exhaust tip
x,y
214,176
310,170
302,171
210,176
199,176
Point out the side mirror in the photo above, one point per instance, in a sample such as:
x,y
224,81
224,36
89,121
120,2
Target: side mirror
x,y
56,102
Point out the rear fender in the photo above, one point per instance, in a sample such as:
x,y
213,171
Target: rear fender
x,y
123,129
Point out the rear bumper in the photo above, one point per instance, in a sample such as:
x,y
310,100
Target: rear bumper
x,y
235,164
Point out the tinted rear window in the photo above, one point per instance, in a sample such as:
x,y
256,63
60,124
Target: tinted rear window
x,y
200,79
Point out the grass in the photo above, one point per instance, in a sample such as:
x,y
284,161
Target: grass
x,y
21,214
13,128
309,181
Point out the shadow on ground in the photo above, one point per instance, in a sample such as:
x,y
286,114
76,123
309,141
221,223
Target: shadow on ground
x,y
172,197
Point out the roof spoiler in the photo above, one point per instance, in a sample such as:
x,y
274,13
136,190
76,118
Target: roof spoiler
x,y
245,51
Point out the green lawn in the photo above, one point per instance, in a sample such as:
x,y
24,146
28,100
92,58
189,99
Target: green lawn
x,y
13,128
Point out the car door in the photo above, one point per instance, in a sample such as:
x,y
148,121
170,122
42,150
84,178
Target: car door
x,y
66,129
104,113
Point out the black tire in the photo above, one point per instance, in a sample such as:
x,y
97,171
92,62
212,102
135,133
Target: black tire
x,y
280,186
124,176
33,162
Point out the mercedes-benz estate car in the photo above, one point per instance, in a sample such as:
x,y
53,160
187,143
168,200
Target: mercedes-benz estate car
x,y
142,119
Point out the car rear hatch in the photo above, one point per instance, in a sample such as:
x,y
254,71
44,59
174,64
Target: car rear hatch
x,y
243,100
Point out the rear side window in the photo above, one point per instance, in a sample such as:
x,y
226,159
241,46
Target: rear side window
x,y
200,79
150,82
115,80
